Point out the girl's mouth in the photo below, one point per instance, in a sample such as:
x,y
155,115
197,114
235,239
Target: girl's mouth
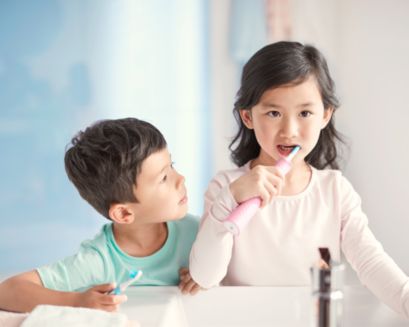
x,y
284,150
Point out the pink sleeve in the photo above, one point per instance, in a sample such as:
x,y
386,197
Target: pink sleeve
x,y
375,268
211,252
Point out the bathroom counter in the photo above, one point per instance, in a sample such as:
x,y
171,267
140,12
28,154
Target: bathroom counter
x,y
249,306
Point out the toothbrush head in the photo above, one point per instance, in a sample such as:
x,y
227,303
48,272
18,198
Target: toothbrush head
x,y
293,152
133,273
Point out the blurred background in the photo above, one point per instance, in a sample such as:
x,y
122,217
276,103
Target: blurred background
x,y
66,63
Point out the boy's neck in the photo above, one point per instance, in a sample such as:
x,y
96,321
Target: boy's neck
x,y
142,240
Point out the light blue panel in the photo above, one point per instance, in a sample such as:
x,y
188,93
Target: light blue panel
x,y
248,29
39,207
56,72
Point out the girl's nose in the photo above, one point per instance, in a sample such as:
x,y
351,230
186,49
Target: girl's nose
x,y
289,128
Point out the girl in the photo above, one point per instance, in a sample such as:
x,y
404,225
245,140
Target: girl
x,y
287,98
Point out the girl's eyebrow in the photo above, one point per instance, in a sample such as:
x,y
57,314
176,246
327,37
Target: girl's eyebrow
x,y
307,104
271,106
276,106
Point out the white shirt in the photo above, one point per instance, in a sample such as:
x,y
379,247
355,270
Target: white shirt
x,y
281,241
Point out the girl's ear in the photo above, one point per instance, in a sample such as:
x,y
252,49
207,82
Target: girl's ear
x,y
120,213
327,116
245,116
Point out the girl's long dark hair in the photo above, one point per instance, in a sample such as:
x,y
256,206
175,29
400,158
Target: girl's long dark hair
x,y
275,65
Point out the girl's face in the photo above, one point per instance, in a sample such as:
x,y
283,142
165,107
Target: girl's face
x,y
287,116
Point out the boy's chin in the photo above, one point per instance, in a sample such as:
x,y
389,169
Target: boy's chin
x,y
181,214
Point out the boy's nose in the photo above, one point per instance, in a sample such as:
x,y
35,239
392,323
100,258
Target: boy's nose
x,y
180,179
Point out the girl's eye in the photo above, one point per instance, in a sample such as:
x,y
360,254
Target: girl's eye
x,y
305,113
274,113
163,180
172,165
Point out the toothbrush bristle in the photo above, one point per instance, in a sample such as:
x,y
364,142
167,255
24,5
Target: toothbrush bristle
x,y
293,152
133,273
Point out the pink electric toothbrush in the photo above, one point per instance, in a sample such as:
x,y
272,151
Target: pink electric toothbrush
x,y
241,215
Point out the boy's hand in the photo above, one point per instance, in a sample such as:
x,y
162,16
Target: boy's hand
x,y
97,298
187,284
263,181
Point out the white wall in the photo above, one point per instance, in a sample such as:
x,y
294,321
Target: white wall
x,y
367,47
372,60
223,83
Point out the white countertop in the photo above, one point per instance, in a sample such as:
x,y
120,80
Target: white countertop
x,y
249,306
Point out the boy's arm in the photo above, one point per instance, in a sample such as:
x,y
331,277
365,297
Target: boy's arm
x,y
22,293
187,285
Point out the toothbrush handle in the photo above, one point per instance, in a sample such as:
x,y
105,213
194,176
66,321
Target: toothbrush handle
x,y
283,165
240,216
121,287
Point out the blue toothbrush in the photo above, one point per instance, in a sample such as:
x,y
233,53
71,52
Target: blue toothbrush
x,y
134,275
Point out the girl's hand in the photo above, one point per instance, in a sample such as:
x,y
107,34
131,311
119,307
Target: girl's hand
x,y
263,181
187,284
97,297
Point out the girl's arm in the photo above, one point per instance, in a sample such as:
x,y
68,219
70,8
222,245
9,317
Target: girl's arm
x,y
212,249
375,268
22,293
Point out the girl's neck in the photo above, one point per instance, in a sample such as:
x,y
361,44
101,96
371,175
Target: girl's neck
x,y
297,179
142,240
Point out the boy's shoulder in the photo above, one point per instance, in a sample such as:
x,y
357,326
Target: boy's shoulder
x,y
100,238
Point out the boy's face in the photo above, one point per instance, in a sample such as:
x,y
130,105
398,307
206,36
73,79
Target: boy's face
x,y
160,190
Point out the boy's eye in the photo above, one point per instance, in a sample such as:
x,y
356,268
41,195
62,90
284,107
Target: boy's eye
x,y
305,113
163,180
273,113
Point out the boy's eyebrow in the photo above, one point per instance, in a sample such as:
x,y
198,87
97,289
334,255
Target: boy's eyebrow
x,y
165,167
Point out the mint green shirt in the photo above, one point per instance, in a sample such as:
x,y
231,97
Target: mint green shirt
x,y
101,261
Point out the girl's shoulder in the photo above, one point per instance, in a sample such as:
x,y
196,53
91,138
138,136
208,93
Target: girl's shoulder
x,y
327,174
229,175
332,178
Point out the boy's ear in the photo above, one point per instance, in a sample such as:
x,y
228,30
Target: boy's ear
x,y
245,116
327,117
121,214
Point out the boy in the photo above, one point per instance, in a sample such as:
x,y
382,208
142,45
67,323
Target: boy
x,y
124,170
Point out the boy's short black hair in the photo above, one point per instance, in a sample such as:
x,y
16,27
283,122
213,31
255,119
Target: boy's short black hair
x,y
105,159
